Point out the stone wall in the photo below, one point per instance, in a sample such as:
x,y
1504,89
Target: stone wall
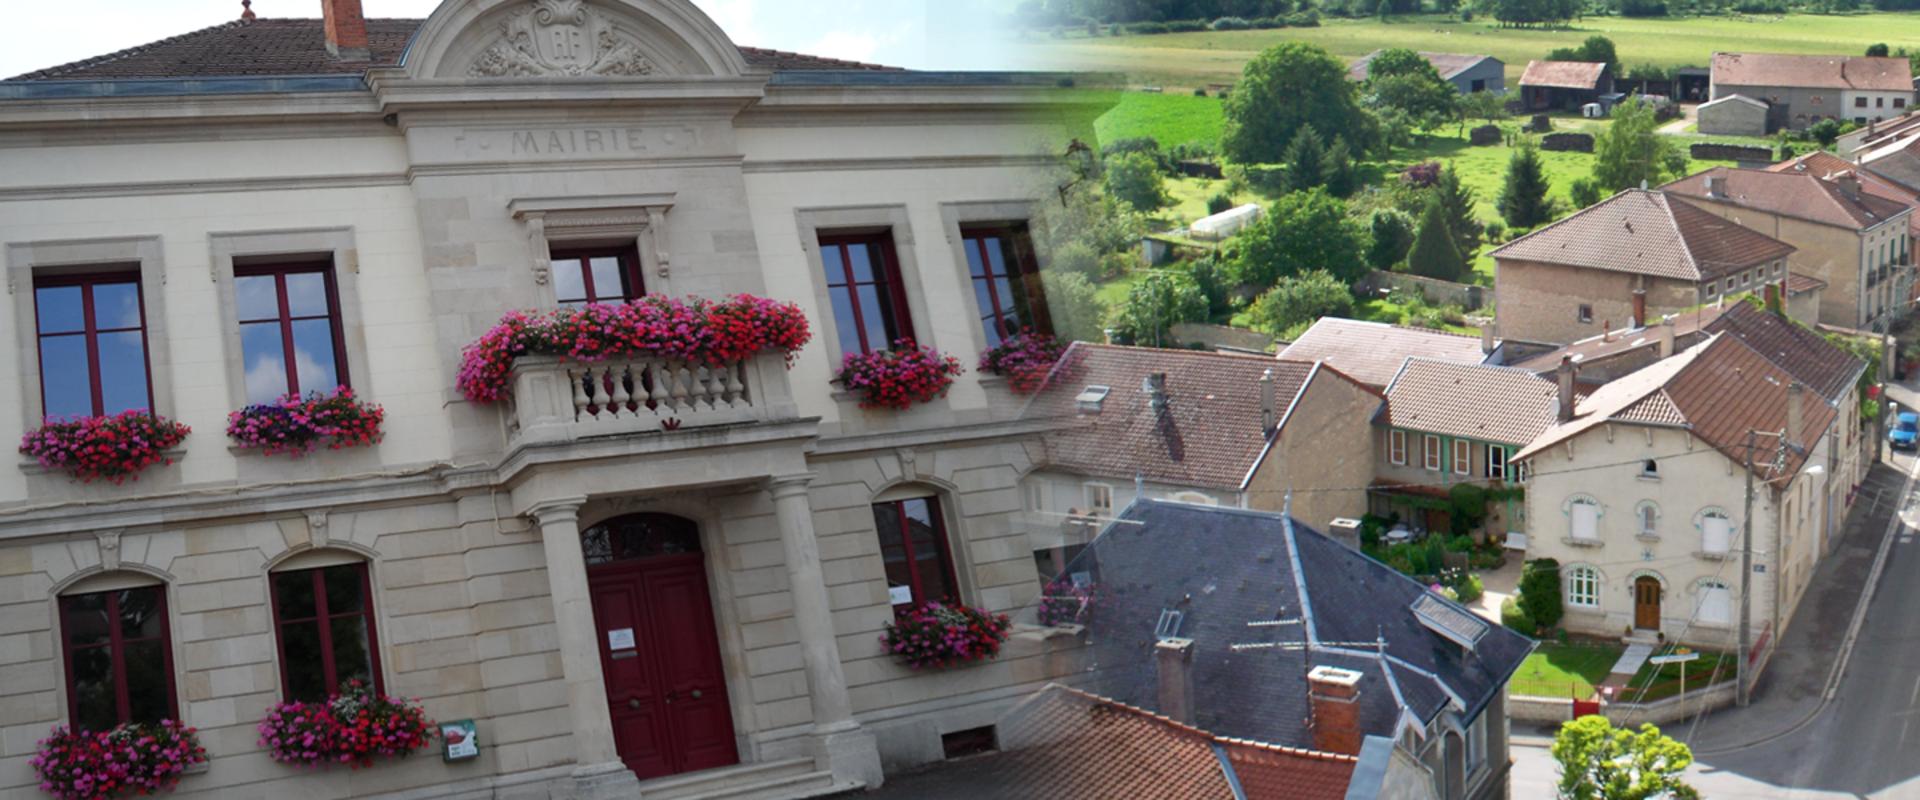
x,y
1713,151
1465,295
1570,142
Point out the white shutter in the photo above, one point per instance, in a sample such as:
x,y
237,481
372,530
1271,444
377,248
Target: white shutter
x,y
1586,521
1716,605
1714,533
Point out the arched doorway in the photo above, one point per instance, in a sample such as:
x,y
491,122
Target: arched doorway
x,y
666,688
1646,603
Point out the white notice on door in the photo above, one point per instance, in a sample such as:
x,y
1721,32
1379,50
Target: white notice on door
x,y
900,595
620,640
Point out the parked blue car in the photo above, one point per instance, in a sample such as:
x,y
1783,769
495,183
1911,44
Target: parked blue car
x,y
1906,431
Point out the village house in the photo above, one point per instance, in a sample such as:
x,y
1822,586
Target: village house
x,y
622,571
1134,423
1800,90
1854,241
1468,73
1635,256
1563,85
1372,352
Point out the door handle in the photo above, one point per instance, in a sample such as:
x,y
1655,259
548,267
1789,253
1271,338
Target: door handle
x,y
696,694
633,704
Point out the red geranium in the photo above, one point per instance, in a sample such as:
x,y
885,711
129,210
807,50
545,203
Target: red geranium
x,y
115,448
900,377
77,765
937,635
353,727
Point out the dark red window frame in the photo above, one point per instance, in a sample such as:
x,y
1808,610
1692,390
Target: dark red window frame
x,y
906,547
1000,318
116,641
92,332
887,285
279,273
323,620
629,256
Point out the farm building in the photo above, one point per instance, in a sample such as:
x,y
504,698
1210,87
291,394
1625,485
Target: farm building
x,y
1563,84
1468,73
1733,115
1226,223
1802,90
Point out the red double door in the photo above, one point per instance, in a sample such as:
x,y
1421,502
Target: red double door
x,y
666,688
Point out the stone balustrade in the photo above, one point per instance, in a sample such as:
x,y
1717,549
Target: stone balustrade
x,y
564,400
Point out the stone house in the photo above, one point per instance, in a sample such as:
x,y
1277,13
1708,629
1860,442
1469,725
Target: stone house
x,y
1854,241
1732,115
1136,423
1639,495
1800,90
1635,256
1829,166
1563,85
289,205
1467,72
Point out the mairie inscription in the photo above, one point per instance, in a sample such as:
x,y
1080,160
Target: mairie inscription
x,y
615,141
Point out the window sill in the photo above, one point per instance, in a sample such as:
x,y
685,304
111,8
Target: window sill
x,y
1572,542
31,466
1701,554
1647,537
1650,478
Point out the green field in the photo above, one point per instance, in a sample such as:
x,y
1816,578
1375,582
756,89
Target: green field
x,y
1169,118
1197,59
1561,670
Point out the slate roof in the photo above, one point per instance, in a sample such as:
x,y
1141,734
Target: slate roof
x,y
1372,352
288,47
1447,64
1223,568
1563,74
1823,164
1647,233
1209,435
1881,74
1791,194
1473,401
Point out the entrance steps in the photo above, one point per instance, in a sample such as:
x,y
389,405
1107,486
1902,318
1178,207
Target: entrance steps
x,y
792,779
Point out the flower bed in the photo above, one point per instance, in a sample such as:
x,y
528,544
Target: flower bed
x,y
695,330
1025,360
354,727
937,635
1064,603
295,425
113,448
76,765
898,378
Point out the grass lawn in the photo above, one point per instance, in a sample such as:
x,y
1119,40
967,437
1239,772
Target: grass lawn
x,y
1172,118
1560,670
1196,59
1664,679
1114,292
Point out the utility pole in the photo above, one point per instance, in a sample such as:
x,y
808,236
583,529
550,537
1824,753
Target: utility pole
x,y
1746,586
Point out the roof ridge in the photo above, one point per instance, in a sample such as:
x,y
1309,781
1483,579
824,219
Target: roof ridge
x,y
1319,755
1686,244
58,69
1556,223
1482,365
1194,353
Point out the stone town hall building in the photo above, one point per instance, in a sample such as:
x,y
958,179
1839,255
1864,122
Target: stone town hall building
x,y
294,204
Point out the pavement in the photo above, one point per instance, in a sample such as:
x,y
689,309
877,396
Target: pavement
x,y
1809,732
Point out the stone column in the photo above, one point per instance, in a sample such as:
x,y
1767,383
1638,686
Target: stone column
x,y
597,772
838,740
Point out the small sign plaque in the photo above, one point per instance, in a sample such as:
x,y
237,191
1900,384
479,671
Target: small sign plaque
x,y
462,740
900,595
621,639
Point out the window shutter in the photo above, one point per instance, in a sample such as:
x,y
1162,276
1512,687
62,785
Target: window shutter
x,y
1586,521
1716,605
1714,534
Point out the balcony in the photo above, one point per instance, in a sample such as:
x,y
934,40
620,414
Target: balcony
x,y
557,400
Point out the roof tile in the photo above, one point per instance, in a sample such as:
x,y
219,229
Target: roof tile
x,y
1791,194
1871,73
1372,352
1563,74
1471,401
1647,233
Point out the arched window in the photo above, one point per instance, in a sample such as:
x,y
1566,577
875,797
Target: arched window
x,y
323,614
118,653
1647,517
914,551
1714,604
1716,531
1583,587
1650,468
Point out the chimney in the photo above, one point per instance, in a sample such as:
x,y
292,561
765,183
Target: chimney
x,y
1486,338
1795,403
1266,403
1849,184
1606,330
1156,389
1666,337
1335,694
346,30
1174,657
1566,388
1639,308
1716,186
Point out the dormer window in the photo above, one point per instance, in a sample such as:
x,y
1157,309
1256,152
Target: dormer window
x,y
1091,398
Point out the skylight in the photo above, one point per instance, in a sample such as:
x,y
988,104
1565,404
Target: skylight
x,y
1460,627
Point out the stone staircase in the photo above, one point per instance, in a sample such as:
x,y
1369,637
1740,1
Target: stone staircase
x,y
793,779
1639,646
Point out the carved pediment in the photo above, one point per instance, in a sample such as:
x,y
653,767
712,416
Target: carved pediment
x,y
550,38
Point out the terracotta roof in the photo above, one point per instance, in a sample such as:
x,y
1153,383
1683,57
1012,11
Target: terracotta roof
x,y
1823,164
1447,64
1563,74
1208,436
1647,233
1803,353
1471,401
1882,74
1372,352
1271,772
1613,343
1072,745
1798,283
1792,194
290,47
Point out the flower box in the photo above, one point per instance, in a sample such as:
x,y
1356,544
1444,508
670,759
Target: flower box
x,y
1024,359
296,425
694,331
1064,603
898,378
939,635
354,727
77,765
110,448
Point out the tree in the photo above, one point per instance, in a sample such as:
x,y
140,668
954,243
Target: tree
x,y
1391,235
1211,276
1628,152
1599,49
1134,178
1540,592
1456,204
1584,192
1073,303
1302,231
1483,105
1825,131
1156,302
1301,299
1338,172
1434,254
1306,160
1523,199
1403,79
1601,762
1284,87
1877,50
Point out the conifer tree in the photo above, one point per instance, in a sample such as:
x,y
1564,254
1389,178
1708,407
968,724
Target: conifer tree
x,y
1306,160
1523,199
1434,254
1456,207
1338,173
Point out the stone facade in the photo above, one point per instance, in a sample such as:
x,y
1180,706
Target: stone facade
x,y
1558,304
1861,286
435,192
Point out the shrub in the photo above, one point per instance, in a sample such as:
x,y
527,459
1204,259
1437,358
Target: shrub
x,y
1187,26
1218,203
1540,592
78,765
1230,24
1515,617
936,635
1136,178
1298,299
1309,18
1585,192
1025,359
1468,587
898,378
1270,23
114,448
1199,91
1460,544
1147,28
355,726
296,425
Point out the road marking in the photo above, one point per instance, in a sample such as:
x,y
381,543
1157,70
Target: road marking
x,y
1915,700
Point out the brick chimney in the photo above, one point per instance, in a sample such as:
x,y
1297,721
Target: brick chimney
x,y
346,30
1639,308
1666,337
1566,388
1174,657
1335,693
1849,184
1796,404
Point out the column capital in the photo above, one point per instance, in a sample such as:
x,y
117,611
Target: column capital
x,y
556,510
789,485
